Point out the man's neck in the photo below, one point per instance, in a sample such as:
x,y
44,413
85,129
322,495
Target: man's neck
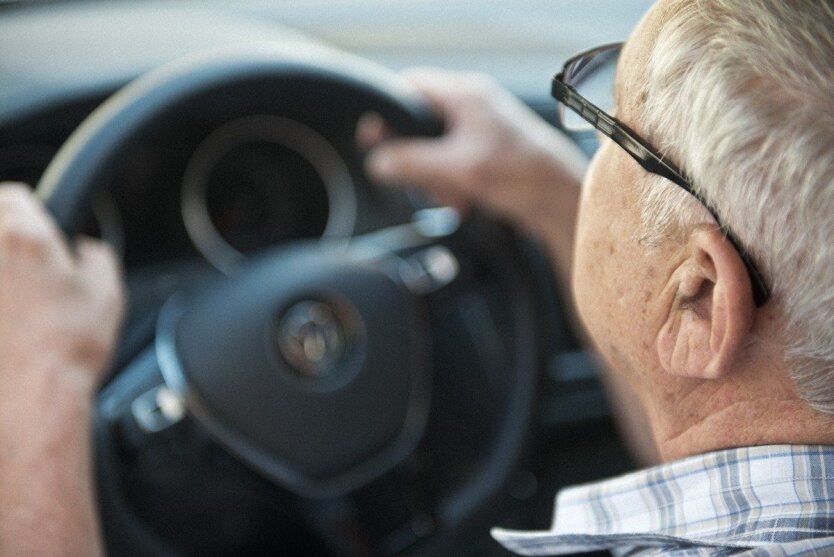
x,y
758,405
748,423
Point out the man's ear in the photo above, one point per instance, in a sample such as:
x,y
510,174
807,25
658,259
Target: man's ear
x,y
712,312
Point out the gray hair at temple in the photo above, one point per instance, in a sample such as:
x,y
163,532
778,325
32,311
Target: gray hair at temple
x,y
741,94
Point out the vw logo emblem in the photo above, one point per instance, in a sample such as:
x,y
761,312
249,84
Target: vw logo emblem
x,y
313,339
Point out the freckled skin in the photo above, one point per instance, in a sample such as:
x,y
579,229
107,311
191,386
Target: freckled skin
x,y
609,211
609,217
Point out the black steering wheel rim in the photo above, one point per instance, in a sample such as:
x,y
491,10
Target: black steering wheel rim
x,y
84,164
81,166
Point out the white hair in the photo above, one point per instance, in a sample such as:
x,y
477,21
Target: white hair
x,y
741,94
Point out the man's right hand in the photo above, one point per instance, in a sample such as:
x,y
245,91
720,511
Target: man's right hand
x,y
495,152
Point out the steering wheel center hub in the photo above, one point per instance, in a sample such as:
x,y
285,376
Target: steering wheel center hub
x,y
311,365
315,337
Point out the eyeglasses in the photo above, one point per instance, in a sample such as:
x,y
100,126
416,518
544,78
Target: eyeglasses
x,y
586,86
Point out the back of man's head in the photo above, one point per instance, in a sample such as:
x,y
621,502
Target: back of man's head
x,y
740,94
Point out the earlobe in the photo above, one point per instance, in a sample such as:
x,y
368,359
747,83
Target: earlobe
x,y
710,317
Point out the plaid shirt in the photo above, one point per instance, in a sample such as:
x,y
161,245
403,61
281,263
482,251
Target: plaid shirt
x,y
752,502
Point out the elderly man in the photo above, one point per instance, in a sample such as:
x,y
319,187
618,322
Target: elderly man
x,y
702,265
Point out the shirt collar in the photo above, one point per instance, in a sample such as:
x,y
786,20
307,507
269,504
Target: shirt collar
x,y
732,498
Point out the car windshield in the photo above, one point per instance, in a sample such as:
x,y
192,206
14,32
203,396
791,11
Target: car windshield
x,y
521,43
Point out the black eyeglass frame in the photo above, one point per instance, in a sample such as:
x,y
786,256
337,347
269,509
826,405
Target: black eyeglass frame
x,y
646,156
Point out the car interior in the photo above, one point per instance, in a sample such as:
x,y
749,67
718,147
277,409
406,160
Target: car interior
x,y
311,364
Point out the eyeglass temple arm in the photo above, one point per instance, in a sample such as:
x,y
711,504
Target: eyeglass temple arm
x,y
645,157
617,131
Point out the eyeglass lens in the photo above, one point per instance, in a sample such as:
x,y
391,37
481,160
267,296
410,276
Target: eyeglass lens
x,y
592,76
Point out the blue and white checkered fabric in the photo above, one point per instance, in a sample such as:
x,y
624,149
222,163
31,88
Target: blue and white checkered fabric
x,y
753,502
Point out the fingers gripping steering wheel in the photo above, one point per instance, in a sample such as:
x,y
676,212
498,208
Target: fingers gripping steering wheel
x,y
318,372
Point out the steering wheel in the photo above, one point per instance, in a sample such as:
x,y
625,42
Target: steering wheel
x,y
375,391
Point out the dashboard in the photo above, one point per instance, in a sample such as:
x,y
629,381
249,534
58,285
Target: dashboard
x,y
193,199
